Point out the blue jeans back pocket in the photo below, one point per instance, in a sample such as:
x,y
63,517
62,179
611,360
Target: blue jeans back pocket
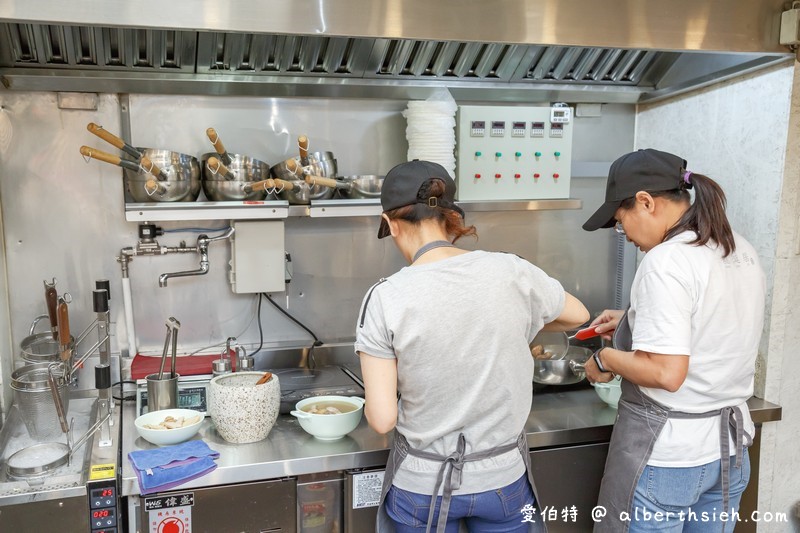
x,y
674,489
515,496
407,508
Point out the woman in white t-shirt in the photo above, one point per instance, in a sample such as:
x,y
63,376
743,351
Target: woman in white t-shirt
x,y
686,350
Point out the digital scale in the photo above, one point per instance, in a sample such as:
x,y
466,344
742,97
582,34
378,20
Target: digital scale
x,y
296,384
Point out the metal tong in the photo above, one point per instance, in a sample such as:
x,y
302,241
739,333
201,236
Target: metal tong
x,y
172,335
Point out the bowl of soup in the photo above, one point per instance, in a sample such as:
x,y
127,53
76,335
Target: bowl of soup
x,y
329,417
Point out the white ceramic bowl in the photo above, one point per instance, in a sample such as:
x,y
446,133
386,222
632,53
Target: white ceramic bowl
x,y
331,426
609,392
167,437
241,410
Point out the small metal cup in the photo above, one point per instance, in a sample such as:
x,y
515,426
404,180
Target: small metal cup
x,y
162,393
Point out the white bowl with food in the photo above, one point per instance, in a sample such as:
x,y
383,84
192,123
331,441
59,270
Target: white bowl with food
x,y
168,426
329,417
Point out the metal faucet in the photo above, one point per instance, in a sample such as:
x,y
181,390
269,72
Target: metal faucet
x,y
202,248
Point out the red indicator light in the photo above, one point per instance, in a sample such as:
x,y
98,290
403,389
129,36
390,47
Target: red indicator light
x,y
536,176
477,176
517,176
497,176
555,176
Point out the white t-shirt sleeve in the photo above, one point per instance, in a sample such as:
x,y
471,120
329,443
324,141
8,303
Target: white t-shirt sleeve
x,y
663,312
373,336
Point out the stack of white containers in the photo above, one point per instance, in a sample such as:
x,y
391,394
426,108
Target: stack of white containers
x,y
430,130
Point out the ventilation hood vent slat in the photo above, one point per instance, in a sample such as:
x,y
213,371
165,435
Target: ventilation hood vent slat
x,y
65,54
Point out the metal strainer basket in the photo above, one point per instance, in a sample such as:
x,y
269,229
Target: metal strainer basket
x,y
34,400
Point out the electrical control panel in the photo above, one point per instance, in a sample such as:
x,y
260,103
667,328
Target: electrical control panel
x,y
513,153
257,256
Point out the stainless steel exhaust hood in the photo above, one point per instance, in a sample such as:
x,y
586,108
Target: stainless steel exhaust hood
x,y
499,50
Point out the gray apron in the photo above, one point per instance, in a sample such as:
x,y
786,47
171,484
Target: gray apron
x,y
450,478
640,420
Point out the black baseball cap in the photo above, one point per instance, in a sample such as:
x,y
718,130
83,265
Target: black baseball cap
x,y
402,186
643,170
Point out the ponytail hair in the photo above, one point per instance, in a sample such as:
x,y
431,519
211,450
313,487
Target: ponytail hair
x,y
706,215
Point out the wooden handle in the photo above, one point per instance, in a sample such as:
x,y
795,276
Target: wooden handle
x,y
94,153
286,185
113,140
302,143
107,136
152,187
51,297
262,185
325,182
213,136
152,168
291,165
216,167
263,379
63,330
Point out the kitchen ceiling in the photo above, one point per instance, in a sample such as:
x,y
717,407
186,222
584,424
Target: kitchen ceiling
x,y
59,56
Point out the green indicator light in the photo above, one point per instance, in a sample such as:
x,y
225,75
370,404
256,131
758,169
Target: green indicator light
x,y
558,154
498,154
538,154
477,154
518,154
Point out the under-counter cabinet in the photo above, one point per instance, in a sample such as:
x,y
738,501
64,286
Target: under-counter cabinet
x,y
568,482
259,507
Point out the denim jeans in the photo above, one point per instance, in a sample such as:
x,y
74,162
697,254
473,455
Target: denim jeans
x,y
688,499
491,511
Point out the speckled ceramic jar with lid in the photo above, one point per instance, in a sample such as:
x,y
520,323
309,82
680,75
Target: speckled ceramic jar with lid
x,y
241,410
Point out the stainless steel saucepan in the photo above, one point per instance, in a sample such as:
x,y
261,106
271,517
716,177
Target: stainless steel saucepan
x,y
297,191
236,182
177,175
141,179
565,371
226,176
361,187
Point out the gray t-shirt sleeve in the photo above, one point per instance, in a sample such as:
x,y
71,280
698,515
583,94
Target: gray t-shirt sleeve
x,y
546,295
372,333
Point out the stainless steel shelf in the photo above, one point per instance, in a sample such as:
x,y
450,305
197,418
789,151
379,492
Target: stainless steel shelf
x,y
276,209
166,211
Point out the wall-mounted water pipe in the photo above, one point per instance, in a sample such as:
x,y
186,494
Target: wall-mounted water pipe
x,y
202,248
147,245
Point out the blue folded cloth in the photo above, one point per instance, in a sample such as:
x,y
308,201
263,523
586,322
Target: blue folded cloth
x,y
163,468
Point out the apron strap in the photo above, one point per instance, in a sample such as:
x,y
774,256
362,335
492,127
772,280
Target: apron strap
x,y
731,424
449,476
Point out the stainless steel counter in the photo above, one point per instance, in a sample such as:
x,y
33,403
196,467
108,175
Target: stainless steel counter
x,y
556,419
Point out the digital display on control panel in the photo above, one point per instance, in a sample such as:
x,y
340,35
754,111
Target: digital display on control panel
x,y
478,128
107,492
498,128
518,129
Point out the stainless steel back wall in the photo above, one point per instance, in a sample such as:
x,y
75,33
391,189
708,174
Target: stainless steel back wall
x,y
65,218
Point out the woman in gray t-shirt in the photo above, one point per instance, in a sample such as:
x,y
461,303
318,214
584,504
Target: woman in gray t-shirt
x,y
450,333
